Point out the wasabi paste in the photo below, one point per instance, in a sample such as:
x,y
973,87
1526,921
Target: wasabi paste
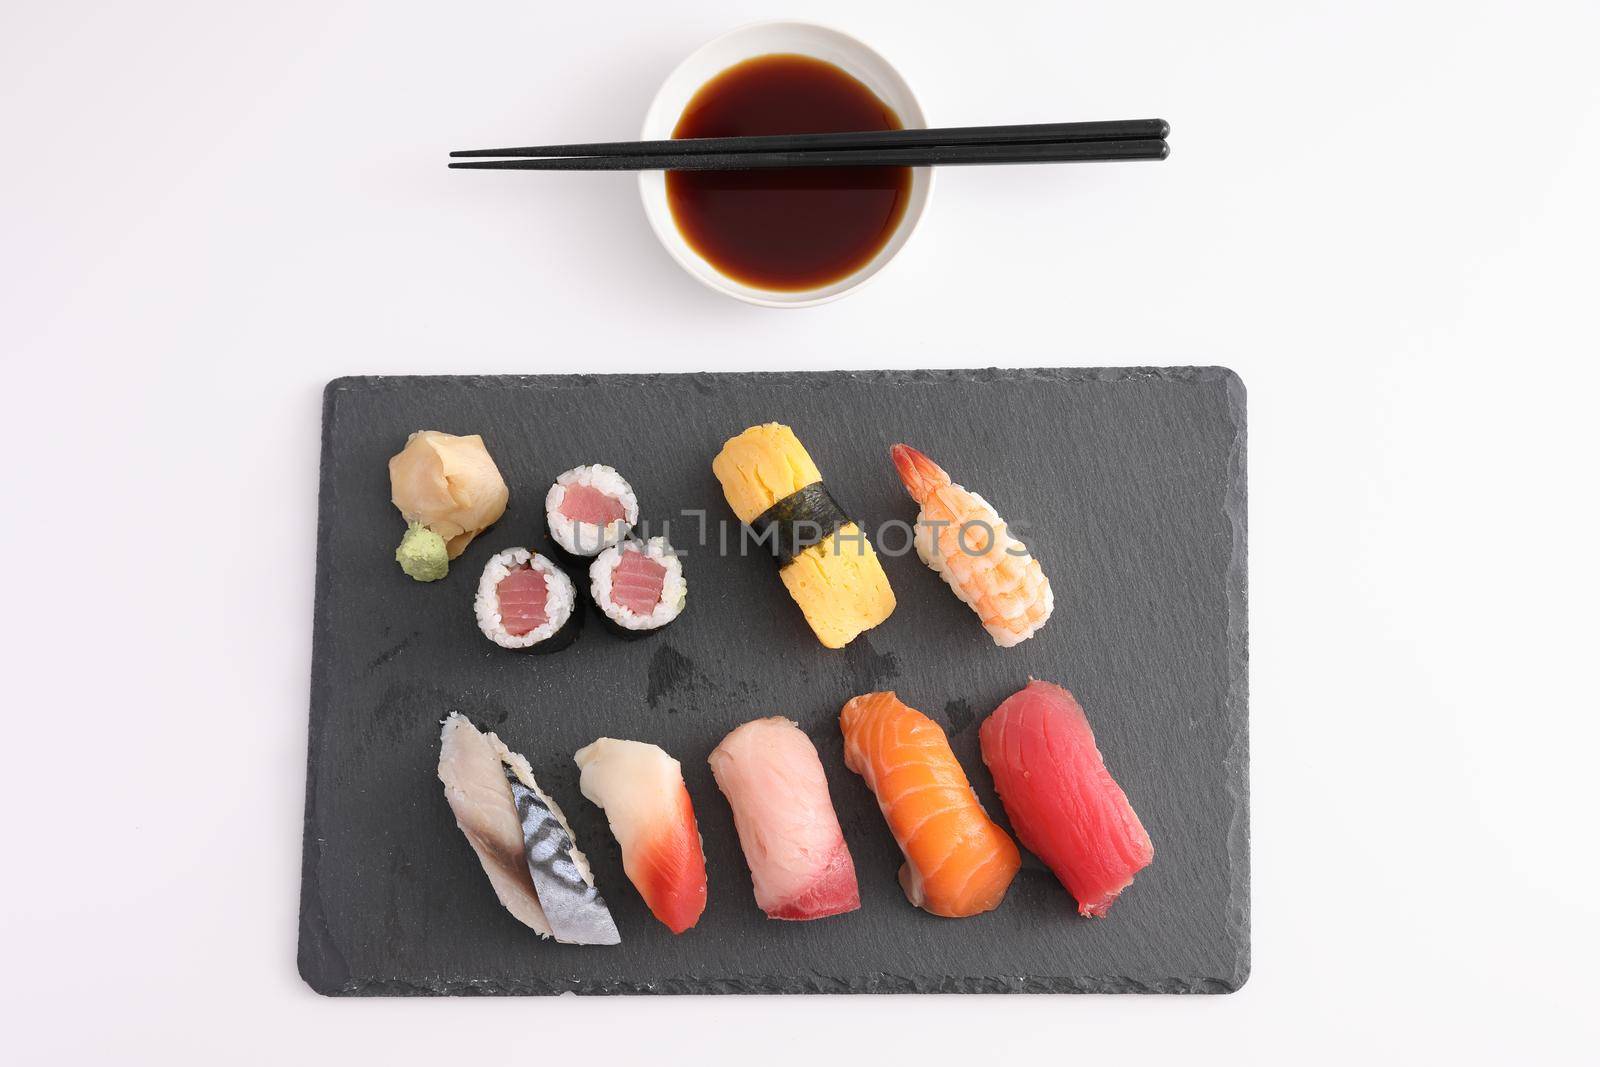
x,y
422,554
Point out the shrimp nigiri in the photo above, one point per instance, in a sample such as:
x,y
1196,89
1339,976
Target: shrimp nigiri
x,y
958,862
967,544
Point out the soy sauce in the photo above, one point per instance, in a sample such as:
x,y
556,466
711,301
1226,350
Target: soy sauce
x,y
788,229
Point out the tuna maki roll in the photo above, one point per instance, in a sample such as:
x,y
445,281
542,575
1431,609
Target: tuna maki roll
x,y
590,508
526,603
638,586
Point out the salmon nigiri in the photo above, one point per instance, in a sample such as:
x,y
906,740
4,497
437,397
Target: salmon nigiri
x,y
641,789
967,544
1059,796
958,862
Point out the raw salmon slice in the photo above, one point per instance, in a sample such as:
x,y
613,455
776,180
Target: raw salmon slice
x,y
522,598
636,582
585,503
641,789
800,866
1060,798
958,862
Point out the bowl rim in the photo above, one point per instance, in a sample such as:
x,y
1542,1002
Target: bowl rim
x,y
659,213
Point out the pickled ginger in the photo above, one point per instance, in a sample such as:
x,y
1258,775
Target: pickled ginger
x,y
449,484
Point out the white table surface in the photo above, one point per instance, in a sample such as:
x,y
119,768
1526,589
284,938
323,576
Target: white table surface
x,y
1381,214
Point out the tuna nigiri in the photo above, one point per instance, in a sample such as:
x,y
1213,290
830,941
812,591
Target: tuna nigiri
x,y
1059,796
958,862
641,789
769,771
967,544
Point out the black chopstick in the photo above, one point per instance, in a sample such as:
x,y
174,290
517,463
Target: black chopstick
x,y
932,156
1035,133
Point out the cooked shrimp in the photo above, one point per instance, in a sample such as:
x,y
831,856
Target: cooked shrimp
x,y
967,544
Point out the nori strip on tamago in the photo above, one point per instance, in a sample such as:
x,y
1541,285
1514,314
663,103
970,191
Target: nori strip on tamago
x,y
808,516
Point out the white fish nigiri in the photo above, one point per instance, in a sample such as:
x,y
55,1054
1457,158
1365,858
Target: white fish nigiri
x,y
473,767
648,807
799,862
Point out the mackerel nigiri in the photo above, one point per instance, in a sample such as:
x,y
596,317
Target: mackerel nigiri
x,y
521,837
641,789
769,771
1059,796
958,862
966,542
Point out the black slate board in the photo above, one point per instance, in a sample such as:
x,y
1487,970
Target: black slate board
x,y
1131,484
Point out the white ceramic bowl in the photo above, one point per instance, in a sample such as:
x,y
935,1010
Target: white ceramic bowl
x,y
736,46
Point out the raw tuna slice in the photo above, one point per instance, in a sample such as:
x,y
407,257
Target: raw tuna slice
x,y
636,582
585,503
1060,798
801,867
522,595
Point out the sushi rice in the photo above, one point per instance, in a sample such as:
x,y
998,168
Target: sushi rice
x,y
560,597
587,538
674,588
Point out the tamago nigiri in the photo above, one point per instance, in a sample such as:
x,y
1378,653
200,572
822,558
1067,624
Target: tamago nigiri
x,y
958,862
648,808
824,558
967,544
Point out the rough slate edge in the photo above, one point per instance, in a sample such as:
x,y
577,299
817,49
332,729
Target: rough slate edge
x,y
325,971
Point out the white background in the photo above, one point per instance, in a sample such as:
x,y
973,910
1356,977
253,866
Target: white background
x,y
1381,214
